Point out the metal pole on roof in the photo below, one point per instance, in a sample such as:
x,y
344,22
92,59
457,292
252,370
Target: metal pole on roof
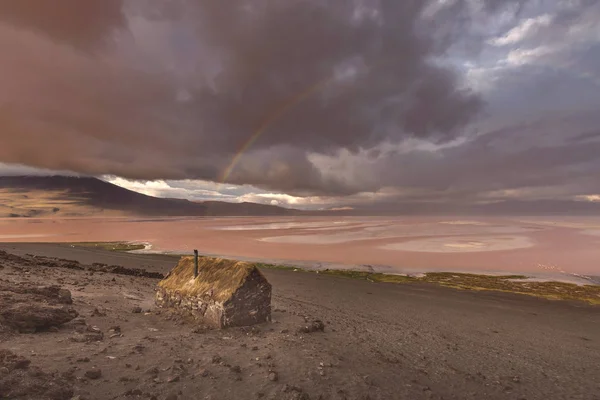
x,y
195,263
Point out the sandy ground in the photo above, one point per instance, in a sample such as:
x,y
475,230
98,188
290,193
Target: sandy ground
x,y
536,246
381,341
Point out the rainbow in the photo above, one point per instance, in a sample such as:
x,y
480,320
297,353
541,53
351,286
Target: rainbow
x,y
280,111
272,117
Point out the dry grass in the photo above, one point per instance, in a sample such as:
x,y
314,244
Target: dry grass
x,y
111,246
506,283
217,275
516,284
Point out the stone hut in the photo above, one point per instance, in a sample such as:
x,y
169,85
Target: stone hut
x,y
225,292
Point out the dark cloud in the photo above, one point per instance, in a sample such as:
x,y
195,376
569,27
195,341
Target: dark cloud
x,y
81,23
312,76
537,159
367,99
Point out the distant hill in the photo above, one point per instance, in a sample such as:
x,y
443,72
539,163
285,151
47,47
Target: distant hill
x,y
60,196
42,196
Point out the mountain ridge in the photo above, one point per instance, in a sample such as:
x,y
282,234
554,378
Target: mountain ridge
x,y
42,196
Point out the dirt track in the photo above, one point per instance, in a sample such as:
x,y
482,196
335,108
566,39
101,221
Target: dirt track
x,y
381,341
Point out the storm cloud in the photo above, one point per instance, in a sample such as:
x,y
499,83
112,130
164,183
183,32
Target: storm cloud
x,y
414,99
155,91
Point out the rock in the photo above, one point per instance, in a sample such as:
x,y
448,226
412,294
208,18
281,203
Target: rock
x,y
173,378
19,380
64,296
93,373
27,308
97,313
136,310
315,326
273,376
83,360
29,316
203,372
225,293
216,359
295,393
87,337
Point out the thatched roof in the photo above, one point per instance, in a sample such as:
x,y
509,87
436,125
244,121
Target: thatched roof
x,y
220,275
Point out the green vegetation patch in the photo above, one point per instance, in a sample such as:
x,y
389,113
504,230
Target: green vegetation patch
x,y
502,283
111,246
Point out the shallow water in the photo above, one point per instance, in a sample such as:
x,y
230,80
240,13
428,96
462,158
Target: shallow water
x,y
537,246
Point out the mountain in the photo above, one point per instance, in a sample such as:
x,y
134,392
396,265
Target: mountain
x,y
62,196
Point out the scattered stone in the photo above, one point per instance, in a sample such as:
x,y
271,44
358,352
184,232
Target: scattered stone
x,y
87,337
93,373
173,378
97,313
116,329
273,376
216,359
83,360
19,380
78,321
200,329
236,368
133,392
136,310
291,388
203,372
315,326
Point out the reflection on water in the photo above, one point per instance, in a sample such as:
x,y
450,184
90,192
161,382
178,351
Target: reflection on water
x,y
284,225
391,245
462,244
399,230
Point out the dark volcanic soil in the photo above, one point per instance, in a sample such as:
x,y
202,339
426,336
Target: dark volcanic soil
x,y
380,341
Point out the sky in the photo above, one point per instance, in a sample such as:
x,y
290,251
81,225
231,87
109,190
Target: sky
x,y
308,103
